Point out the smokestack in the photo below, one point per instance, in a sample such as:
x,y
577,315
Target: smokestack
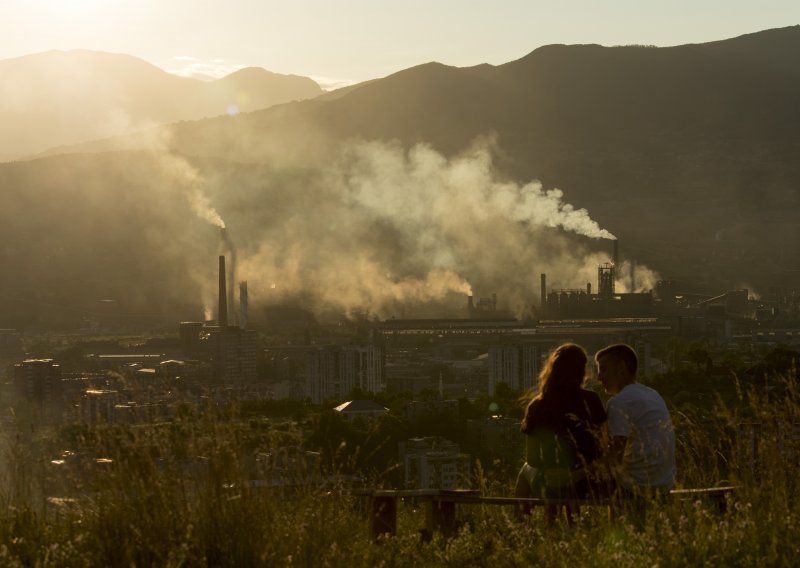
x,y
543,291
230,282
588,288
222,314
243,300
615,259
470,306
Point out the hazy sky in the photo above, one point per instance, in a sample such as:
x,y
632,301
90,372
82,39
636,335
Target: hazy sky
x,y
353,40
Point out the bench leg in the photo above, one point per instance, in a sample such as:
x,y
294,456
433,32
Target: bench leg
x,y
720,503
441,516
383,517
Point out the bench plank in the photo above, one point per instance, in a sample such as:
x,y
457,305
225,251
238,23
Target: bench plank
x,y
440,512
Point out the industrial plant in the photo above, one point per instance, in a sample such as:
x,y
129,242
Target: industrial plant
x,y
230,347
488,347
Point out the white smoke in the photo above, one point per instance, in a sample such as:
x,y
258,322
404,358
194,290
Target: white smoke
x,y
201,206
185,176
381,227
186,179
423,177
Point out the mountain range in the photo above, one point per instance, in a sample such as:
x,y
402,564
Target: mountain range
x,y
65,97
686,153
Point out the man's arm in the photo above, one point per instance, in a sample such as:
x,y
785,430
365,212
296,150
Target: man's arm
x,y
610,466
616,450
619,430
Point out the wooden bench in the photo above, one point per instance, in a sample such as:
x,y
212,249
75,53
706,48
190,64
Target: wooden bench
x,y
440,504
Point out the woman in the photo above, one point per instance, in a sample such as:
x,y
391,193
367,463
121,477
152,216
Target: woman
x,y
563,425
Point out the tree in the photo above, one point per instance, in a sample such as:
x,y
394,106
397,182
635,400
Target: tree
x,y
781,360
699,357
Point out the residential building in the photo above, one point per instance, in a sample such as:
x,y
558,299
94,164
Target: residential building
x,y
434,463
517,365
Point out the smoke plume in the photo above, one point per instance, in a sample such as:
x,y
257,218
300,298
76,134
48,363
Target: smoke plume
x,y
381,227
201,206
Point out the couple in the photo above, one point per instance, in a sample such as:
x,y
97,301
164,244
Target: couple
x,y
578,449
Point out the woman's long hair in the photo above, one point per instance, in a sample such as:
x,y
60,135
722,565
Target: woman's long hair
x,y
562,375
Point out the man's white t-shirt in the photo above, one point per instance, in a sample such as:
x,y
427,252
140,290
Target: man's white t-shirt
x,y
640,414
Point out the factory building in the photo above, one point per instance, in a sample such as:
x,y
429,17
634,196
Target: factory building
x,y
232,349
486,309
190,333
606,303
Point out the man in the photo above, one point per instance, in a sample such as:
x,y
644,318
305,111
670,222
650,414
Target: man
x,y
641,437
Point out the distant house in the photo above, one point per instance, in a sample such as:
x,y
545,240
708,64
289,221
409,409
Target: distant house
x,y
434,462
364,408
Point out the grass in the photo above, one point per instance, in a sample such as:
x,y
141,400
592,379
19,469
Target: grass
x,y
152,505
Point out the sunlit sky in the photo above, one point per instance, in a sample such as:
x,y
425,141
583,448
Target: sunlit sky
x,y
352,40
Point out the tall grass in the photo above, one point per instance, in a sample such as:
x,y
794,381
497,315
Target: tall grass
x,y
157,503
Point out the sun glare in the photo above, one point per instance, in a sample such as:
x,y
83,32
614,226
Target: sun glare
x,y
81,14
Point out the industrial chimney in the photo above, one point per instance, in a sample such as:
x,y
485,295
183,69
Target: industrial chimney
x,y
543,291
243,301
230,280
615,259
230,283
222,314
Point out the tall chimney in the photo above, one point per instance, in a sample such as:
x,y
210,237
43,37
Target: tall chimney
x,y
222,314
470,306
243,302
231,284
543,291
230,281
615,259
